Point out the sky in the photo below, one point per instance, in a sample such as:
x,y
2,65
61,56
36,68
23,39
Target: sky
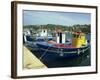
x,y
31,17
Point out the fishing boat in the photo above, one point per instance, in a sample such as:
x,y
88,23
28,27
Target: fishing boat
x,y
30,40
77,46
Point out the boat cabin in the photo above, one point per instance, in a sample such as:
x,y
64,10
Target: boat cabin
x,y
43,32
79,39
27,32
60,36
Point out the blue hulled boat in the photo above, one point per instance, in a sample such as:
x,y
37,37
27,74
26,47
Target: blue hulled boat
x,y
78,46
61,49
59,45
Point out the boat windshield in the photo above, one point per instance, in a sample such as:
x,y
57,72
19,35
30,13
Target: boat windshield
x,y
76,36
30,38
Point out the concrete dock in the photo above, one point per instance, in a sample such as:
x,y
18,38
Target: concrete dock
x,y
30,61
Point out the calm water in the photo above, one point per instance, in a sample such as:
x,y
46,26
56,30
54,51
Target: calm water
x,y
51,62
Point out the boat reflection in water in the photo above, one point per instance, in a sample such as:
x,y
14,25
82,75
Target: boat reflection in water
x,y
61,52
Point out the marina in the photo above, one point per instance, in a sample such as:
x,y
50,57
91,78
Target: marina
x,y
59,51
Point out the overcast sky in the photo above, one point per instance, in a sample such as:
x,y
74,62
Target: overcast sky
x,y
61,18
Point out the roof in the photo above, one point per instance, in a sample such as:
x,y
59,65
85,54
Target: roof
x,y
78,33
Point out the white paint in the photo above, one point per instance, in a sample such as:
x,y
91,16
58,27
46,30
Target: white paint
x,y
25,38
43,32
28,32
63,37
57,39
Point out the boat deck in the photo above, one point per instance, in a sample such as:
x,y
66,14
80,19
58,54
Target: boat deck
x,y
31,61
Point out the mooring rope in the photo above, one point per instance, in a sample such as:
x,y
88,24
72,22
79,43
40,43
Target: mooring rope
x,y
44,53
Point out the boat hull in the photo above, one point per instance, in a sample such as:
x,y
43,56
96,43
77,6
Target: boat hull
x,y
62,52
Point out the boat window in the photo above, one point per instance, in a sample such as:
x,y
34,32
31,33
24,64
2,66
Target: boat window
x,y
79,36
59,34
74,35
